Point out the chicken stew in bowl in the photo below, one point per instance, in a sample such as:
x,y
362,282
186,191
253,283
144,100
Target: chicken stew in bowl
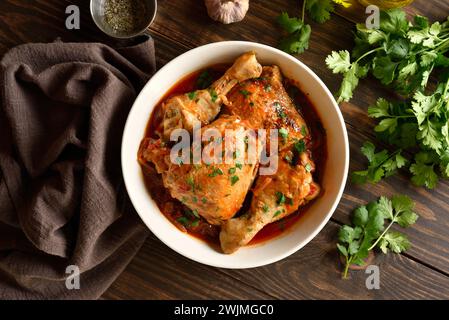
x,y
230,204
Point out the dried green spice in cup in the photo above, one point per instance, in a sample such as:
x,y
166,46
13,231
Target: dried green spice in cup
x,y
123,18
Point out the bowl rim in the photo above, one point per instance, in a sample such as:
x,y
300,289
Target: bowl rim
x,y
335,202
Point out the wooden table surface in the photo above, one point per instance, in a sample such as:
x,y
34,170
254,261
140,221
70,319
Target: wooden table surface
x,y
157,272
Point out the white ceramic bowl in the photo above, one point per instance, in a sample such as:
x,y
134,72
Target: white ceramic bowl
x,y
335,172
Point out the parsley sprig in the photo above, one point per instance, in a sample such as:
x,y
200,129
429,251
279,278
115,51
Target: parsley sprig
x,y
368,229
381,164
403,55
298,32
400,54
421,127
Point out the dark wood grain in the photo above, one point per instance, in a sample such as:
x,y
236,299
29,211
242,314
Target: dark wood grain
x,y
314,272
310,273
158,273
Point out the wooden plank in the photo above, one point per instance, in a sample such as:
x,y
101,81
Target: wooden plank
x,y
159,273
311,274
429,235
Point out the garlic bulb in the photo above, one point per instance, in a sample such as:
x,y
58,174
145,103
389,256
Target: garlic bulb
x,y
227,11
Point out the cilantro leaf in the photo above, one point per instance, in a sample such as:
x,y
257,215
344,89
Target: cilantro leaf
x,y
339,61
350,82
320,10
393,21
386,208
380,109
290,25
384,69
360,217
348,234
423,175
298,36
296,42
381,164
368,231
394,241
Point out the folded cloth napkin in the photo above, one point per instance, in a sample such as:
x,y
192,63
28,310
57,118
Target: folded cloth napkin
x,y
63,205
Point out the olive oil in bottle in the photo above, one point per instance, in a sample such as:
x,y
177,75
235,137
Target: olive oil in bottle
x,y
386,4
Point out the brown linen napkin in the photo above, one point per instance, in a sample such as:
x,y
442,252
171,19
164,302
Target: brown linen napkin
x,y
62,198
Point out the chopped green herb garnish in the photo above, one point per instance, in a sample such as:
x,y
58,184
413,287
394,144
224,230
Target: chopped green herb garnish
x,y
213,95
184,199
284,133
265,208
195,223
279,110
238,165
277,213
288,159
203,200
267,88
282,114
215,172
280,197
192,95
289,201
183,220
234,180
194,199
231,170
191,183
246,93
308,167
195,213
303,130
300,146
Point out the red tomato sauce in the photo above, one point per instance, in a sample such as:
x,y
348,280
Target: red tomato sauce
x,y
173,209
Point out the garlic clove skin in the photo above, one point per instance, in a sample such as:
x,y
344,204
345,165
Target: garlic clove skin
x,y
227,11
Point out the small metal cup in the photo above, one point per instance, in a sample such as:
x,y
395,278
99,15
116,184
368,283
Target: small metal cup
x,y
97,12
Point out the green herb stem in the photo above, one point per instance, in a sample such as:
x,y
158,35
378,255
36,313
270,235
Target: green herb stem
x,y
303,10
348,263
391,156
383,233
368,53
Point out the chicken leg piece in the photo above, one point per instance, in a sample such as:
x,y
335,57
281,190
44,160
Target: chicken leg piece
x,y
266,104
215,191
183,110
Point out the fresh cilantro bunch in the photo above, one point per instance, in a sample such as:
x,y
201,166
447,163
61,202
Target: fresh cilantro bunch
x,y
368,229
420,126
298,32
399,54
